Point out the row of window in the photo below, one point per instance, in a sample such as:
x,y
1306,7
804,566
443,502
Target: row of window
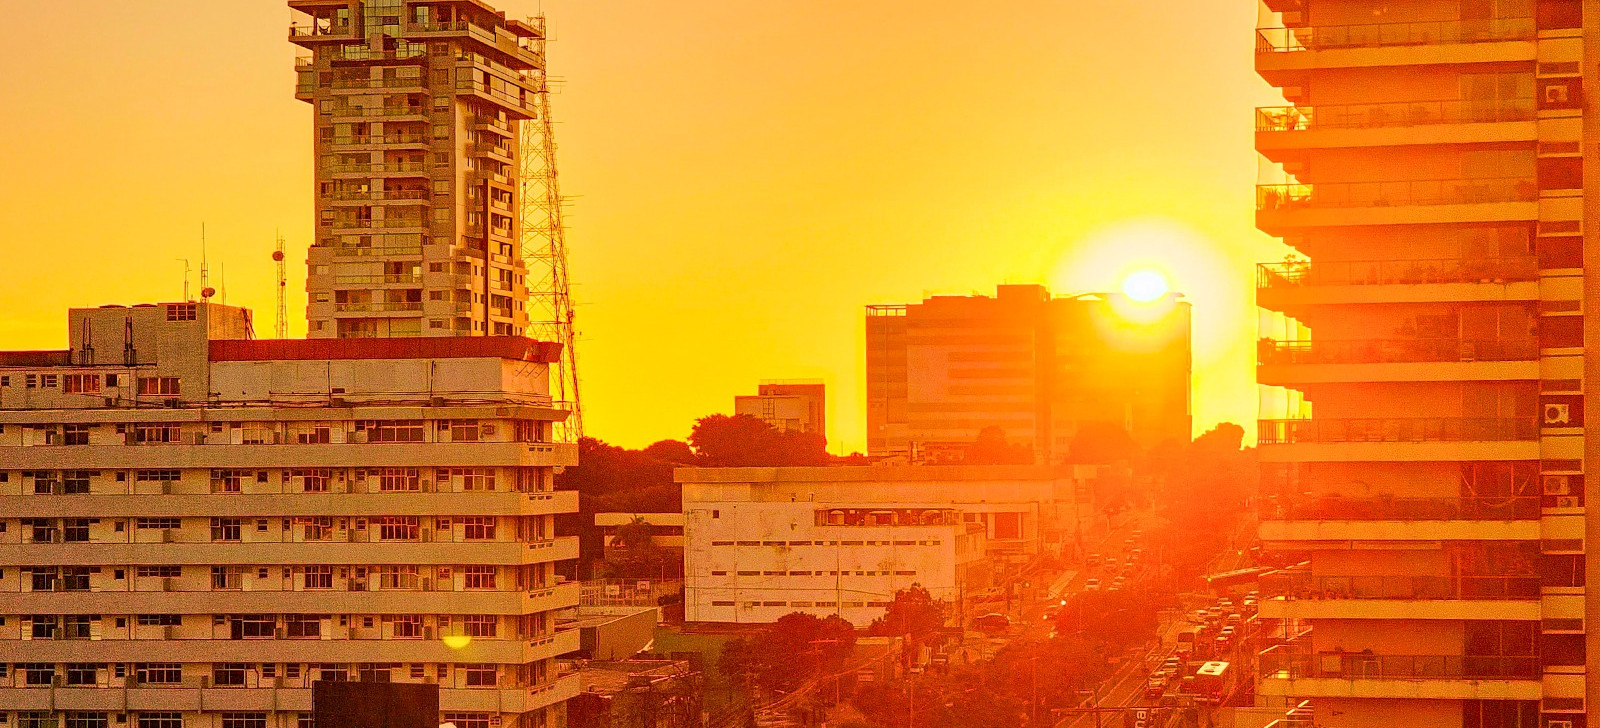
x,y
293,626
242,674
91,383
150,433
301,480
315,528
791,544
173,719
76,578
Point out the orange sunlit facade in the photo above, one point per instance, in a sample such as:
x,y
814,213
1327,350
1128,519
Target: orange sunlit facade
x,y
1423,452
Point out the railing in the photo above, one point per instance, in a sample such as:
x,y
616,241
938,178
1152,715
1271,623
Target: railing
x,y
362,53
386,224
379,306
1399,113
1389,272
376,279
1302,585
491,123
1374,35
318,31
1404,192
376,168
380,195
1397,429
1281,663
385,83
380,111
1384,351
1341,508
486,89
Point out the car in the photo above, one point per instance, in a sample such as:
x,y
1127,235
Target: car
x,y
1110,564
991,623
1119,582
1138,555
1092,585
1092,561
1154,687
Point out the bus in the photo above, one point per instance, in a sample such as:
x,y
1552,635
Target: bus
x,y
1188,639
1213,681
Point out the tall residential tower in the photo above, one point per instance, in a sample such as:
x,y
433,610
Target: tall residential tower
x,y
417,111
1424,452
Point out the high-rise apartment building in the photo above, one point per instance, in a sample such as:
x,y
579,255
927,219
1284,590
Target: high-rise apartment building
x,y
1423,462
195,526
797,406
416,108
1038,367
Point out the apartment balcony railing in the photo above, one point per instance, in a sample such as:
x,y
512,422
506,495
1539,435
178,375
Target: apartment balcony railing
x,y
380,195
319,31
1339,508
1282,197
513,100
1390,272
379,306
1377,35
385,83
1303,585
362,53
420,167
375,250
1289,662
377,279
1399,113
1388,351
1397,429
380,111
379,224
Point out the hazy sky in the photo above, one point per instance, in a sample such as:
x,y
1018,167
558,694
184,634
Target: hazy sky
x,y
744,175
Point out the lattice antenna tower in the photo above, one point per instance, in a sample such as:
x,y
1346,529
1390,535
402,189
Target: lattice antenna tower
x,y
544,246
282,326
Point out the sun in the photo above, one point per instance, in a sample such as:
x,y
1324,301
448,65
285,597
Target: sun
x,y
1145,286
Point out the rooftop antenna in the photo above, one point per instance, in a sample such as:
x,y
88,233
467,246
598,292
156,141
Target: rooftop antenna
x,y
282,329
185,262
223,284
206,291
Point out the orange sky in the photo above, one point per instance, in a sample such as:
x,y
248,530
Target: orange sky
x,y
745,175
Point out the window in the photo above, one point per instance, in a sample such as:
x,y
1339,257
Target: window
x,y
229,481
479,676
182,311
80,383
226,529
399,528
391,430
303,626
314,480
75,530
227,577
153,433
478,528
75,434
84,719
74,578
160,720
43,627
392,480
159,620
318,528
157,476
244,720
318,577
254,626
336,673
157,523
375,672
468,720
158,386
467,478
37,673
464,430
406,625
45,482
160,673
229,674
480,625
398,577
162,572
477,577
83,673
75,482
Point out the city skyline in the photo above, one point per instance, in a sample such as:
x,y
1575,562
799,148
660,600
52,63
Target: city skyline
x,y
979,173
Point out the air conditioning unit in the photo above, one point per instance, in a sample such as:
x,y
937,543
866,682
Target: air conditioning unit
x,y
1558,413
169,632
169,584
1557,485
1567,501
166,487
486,429
427,583
358,436
168,536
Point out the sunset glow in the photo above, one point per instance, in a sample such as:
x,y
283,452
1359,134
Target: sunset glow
x,y
1145,286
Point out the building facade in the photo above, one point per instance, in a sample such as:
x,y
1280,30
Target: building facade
x,y
800,406
760,543
195,526
1037,367
1423,443
417,108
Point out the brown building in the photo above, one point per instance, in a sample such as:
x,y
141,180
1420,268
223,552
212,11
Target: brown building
x,y
416,110
1036,366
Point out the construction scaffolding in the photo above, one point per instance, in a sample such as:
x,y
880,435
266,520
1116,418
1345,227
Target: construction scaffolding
x,y
544,247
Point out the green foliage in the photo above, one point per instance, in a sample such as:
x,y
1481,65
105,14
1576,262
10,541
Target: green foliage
x,y
788,652
913,612
1102,443
991,448
745,441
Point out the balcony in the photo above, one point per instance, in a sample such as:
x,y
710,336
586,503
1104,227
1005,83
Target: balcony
x,y
307,35
413,197
1281,131
390,113
398,307
1281,207
1289,670
520,50
1339,519
1398,439
1281,286
393,169
1283,54
1293,363
521,107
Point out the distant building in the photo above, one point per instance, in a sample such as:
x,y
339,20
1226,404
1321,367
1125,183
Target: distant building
x,y
788,406
1037,367
637,694
760,543
666,534
196,526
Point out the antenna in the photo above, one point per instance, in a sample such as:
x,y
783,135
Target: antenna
x,y
544,245
206,291
282,328
223,274
185,262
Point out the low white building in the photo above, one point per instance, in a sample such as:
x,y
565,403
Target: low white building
x,y
760,543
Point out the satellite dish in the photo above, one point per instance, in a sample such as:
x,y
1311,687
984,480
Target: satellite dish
x,y
207,292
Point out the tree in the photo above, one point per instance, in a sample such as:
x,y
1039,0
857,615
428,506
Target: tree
x,y
788,652
991,448
634,554
1101,443
745,441
914,612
